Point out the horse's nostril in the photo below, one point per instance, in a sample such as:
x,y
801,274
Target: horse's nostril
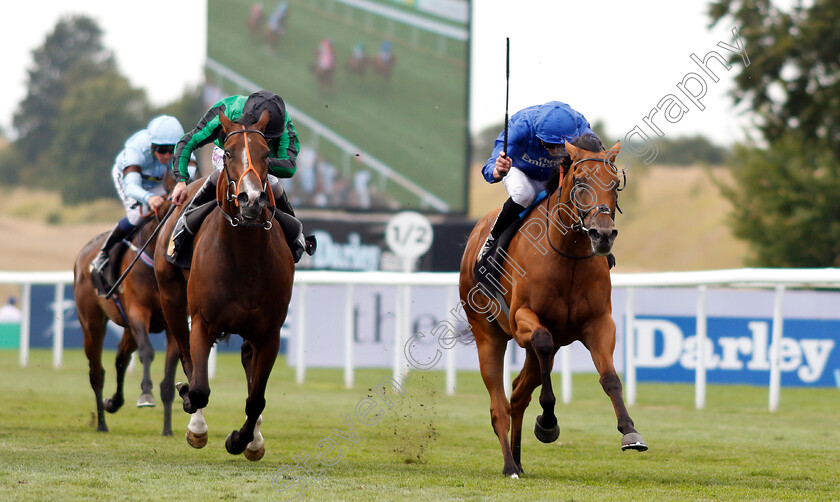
x,y
242,198
593,234
613,234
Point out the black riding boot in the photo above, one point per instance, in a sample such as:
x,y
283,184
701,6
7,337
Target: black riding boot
x,y
179,250
509,213
100,265
292,227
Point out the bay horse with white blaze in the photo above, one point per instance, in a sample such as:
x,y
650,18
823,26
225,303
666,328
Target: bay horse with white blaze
x,y
136,307
554,288
240,281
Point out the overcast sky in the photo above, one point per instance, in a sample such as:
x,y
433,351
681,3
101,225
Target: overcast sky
x,y
610,60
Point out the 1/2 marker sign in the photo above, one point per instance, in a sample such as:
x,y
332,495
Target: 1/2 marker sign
x,y
409,234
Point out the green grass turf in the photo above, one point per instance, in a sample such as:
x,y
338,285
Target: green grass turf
x,y
430,446
416,123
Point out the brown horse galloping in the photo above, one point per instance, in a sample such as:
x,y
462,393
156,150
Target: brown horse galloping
x,y
556,280
240,281
139,301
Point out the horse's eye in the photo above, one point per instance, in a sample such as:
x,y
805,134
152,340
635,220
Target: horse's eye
x,y
227,154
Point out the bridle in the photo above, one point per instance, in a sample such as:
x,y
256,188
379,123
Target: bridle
x,y
579,225
232,191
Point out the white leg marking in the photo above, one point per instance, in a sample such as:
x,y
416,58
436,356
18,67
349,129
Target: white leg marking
x,y
197,424
257,443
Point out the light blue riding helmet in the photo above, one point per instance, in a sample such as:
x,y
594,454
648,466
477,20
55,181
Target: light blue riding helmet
x,y
554,123
165,130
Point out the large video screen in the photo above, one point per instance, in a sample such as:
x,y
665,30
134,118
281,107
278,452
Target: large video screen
x,y
377,90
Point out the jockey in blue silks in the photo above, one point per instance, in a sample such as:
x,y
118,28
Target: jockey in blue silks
x,y
536,143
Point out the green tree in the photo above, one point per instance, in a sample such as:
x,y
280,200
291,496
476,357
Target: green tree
x,y
188,109
688,151
95,119
792,80
790,211
75,41
787,195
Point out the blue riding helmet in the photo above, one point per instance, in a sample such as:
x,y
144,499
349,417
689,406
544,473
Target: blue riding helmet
x,y
555,124
165,130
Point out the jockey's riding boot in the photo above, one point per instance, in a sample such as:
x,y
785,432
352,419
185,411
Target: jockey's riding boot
x,y
509,213
293,230
101,263
179,250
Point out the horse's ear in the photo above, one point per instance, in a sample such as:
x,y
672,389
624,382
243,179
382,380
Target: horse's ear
x,y
612,153
263,121
572,150
226,122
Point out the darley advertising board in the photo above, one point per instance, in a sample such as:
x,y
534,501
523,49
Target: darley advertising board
x,y
739,329
737,350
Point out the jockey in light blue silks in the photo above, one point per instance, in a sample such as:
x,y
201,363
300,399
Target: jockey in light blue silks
x,y
138,174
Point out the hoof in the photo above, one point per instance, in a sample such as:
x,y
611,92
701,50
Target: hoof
x,y
196,440
112,405
229,444
167,433
146,401
253,456
512,473
546,435
633,441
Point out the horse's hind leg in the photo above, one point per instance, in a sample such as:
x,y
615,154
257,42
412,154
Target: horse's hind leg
x,y
248,438
530,330
491,352
124,351
167,385
139,328
94,337
523,387
600,340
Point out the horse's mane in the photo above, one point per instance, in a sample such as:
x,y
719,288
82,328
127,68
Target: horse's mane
x,y
586,141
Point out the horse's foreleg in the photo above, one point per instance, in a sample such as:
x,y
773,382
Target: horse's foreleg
x,y
167,385
201,341
600,340
246,439
140,331
197,394
124,351
247,356
530,331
